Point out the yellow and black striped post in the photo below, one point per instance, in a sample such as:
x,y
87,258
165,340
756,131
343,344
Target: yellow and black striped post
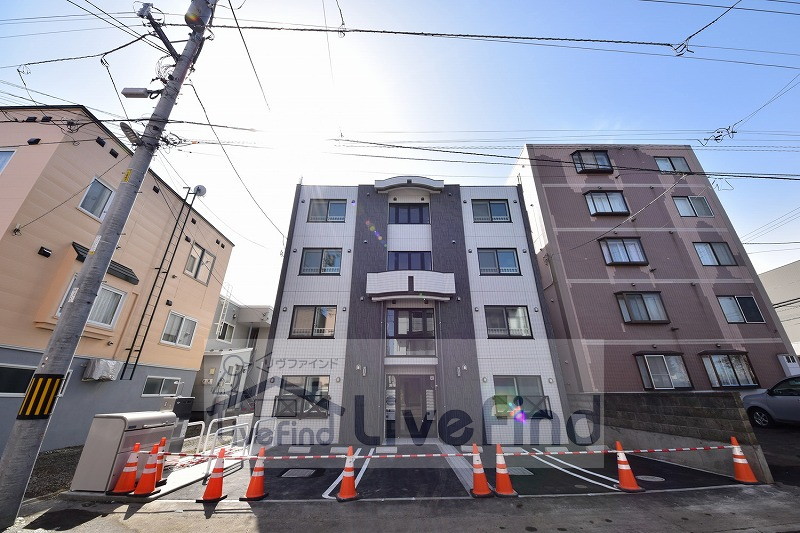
x,y
40,397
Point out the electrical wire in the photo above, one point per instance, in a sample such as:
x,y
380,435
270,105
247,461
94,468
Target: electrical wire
x,y
250,57
684,46
74,58
118,24
697,4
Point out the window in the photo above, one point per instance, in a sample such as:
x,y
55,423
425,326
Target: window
x,y
490,211
410,261
729,370
313,321
623,251
179,330
663,372
14,379
493,261
97,199
606,203
106,306
672,164
252,337
520,397
160,386
507,321
591,161
199,263
327,210
714,253
409,214
410,332
740,309
693,206
321,261
303,397
5,157
640,307
225,332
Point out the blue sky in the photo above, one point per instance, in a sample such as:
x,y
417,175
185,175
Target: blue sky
x,y
489,96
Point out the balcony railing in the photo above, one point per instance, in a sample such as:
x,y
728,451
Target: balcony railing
x,y
410,347
326,218
509,332
323,270
501,270
495,218
317,332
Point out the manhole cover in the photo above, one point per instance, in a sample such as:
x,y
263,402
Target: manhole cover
x,y
649,478
302,472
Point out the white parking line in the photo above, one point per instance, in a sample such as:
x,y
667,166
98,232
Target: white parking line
x,y
327,493
364,466
551,465
613,480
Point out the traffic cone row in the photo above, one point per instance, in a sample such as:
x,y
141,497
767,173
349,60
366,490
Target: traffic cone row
x,y
127,479
147,483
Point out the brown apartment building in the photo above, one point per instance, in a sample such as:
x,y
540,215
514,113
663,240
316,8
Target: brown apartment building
x,y
59,168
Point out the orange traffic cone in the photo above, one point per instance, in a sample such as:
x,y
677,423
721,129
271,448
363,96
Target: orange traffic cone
x,y
147,483
160,463
347,490
213,492
741,468
256,491
127,479
627,481
502,481
480,486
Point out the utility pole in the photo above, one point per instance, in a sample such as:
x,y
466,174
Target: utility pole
x,y
29,428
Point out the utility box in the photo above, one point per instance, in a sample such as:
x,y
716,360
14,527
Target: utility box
x,y
182,407
110,443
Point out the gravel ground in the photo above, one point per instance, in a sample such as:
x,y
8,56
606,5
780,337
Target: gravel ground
x,y
53,472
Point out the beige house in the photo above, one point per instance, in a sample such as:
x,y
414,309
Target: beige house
x,y
59,168
783,287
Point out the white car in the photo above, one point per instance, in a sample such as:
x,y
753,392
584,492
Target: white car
x,y
781,403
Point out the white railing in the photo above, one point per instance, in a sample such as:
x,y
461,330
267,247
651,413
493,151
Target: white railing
x,y
198,437
479,218
217,421
309,270
317,218
489,271
335,218
323,332
330,270
509,270
254,433
511,332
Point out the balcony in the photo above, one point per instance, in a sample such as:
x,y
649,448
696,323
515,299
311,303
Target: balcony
x,y
410,347
411,284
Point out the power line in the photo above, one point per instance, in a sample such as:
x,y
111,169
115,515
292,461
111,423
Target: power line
x,y
684,46
787,242
74,58
247,50
117,24
697,4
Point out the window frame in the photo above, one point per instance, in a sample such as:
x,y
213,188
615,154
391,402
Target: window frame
x,y
425,257
492,219
328,216
708,362
581,166
94,323
506,309
106,205
4,164
593,207
714,253
32,368
741,310
175,343
689,199
610,260
293,335
161,387
252,337
194,273
319,271
674,170
547,411
316,408
224,327
624,295
497,261
396,209
643,357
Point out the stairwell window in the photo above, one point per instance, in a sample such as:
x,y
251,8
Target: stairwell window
x,y
409,214
507,322
641,307
179,330
623,251
714,254
672,165
200,263
321,261
410,261
692,206
490,211
327,210
5,157
740,309
97,199
498,261
313,321
662,372
590,161
225,332
106,307
606,203
729,370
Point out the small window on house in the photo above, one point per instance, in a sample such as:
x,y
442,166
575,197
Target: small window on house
x,y
410,261
303,397
200,263
5,157
252,337
179,330
507,322
587,161
321,261
498,261
641,307
623,251
409,214
714,254
106,306
14,379
97,199
740,309
160,386
313,321
672,164
520,397
606,203
661,372
729,370
693,206
225,332
327,210
490,211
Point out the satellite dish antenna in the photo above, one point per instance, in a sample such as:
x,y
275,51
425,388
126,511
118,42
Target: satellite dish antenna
x,y
199,190
132,136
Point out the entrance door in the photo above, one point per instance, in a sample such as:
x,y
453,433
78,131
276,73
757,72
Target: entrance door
x,y
415,407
